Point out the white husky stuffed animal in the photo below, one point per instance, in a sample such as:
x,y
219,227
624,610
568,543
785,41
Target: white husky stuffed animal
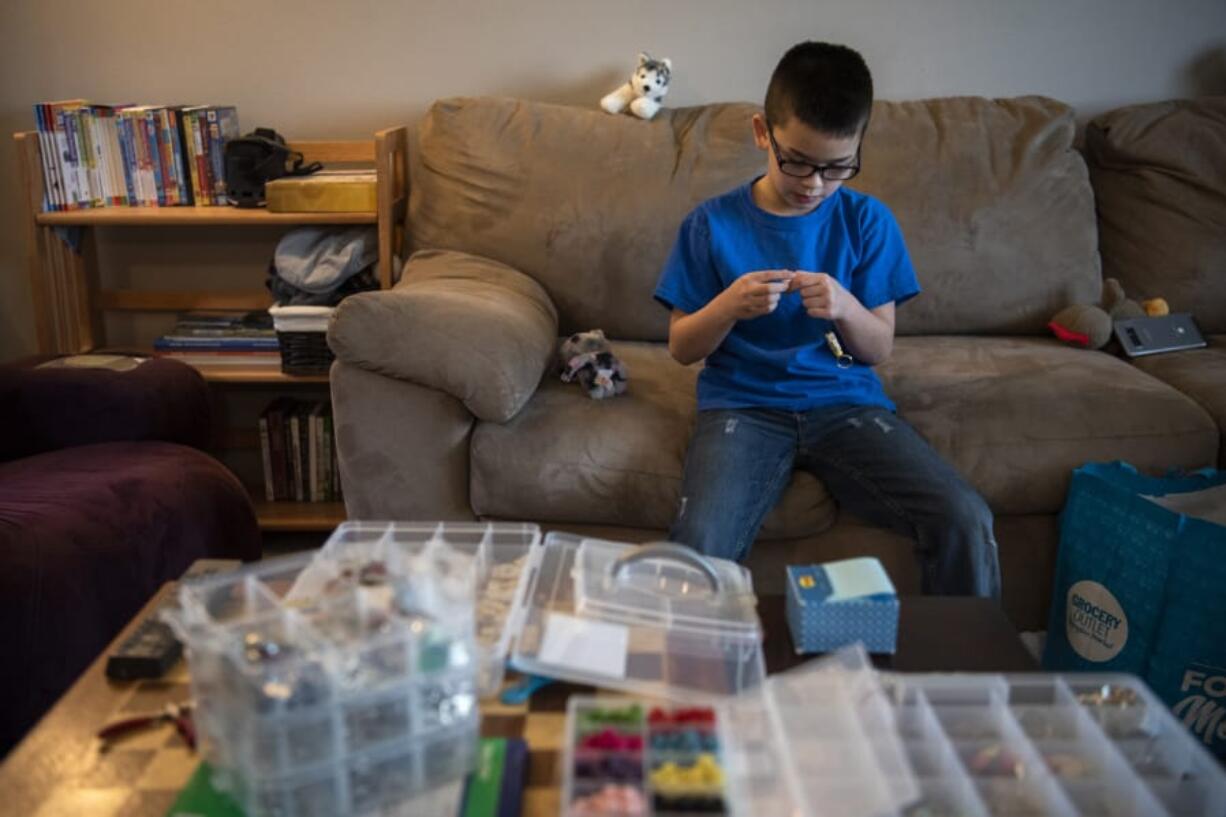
x,y
647,86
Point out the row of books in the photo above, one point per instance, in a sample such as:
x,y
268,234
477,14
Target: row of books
x,y
219,338
298,448
133,155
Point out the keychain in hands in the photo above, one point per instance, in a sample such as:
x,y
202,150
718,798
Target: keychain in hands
x,y
841,358
819,294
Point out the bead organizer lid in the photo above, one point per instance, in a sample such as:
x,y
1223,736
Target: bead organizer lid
x,y
659,621
666,583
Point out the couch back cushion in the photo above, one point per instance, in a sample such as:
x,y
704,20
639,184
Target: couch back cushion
x,y
1159,175
586,203
993,201
996,208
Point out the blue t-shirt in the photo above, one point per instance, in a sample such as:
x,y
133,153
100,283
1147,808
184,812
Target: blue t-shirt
x,y
781,360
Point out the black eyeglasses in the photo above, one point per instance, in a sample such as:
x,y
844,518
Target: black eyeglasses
x,y
803,170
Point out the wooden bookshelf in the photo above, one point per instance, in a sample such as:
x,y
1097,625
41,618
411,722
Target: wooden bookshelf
x,y
194,216
69,302
298,516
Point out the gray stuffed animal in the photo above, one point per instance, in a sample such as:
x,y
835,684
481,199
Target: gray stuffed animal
x,y
588,358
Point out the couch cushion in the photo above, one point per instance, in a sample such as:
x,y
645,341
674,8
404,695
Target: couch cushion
x,y
994,202
996,208
568,458
1159,175
1017,415
586,203
87,535
1201,375
480,331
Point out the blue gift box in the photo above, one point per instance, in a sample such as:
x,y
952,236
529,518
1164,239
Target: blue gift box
x,y
835,604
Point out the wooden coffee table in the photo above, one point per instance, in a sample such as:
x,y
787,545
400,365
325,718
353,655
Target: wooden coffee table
x,y
58,769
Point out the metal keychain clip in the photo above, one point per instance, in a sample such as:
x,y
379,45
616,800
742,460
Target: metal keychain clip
x,y
842,359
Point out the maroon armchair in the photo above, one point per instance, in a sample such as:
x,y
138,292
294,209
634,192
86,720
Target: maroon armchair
x,y
105,494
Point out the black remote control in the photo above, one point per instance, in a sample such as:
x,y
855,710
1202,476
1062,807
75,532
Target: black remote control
x,y
152,649
148,653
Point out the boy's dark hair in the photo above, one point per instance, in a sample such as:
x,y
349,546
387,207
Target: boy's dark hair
x,y
826,86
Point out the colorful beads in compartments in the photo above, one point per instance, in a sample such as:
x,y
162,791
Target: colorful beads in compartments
x,y
703,777
624,801
629,717
612,740
682,755
682,717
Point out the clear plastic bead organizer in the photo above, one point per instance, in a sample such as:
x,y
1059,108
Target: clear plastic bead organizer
x,y
658,620
819,740
502,552
345,681
1050,744
835,738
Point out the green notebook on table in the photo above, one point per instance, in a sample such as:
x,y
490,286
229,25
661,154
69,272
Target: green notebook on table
x,y
495,789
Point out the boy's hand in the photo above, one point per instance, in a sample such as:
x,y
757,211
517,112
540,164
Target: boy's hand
x,y
756,293
822,295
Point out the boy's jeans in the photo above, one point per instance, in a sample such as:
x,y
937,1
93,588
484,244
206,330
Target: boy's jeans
x,y
873,464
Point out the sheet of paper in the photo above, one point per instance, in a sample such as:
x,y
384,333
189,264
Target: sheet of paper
x,y
856,578
596,647
1209,504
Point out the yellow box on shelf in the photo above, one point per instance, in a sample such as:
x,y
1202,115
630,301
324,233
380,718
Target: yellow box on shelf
x,y
328,191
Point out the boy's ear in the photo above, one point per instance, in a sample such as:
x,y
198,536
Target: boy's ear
x,y
760,136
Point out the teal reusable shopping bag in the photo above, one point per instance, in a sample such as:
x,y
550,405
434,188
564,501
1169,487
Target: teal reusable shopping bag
x,y
1140,587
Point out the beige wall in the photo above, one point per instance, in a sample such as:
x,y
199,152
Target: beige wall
x,y
319,68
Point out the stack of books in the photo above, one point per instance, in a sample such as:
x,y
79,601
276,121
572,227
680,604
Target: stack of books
x,y
221,338
133,155
298,449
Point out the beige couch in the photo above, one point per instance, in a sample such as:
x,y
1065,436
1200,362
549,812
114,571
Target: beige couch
x,y
529,221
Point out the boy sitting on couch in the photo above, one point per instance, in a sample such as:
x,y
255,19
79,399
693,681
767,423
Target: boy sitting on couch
x,y
764,282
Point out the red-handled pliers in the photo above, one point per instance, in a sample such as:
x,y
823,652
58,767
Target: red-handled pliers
x,y
178,714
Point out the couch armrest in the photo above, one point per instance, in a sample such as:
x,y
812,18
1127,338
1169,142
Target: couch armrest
x,y
467,326
52,408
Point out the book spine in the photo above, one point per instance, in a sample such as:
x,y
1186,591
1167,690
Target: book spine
x,y
155,157
127,160
304,452
217,156
102,168
337,493
313,455
80,158
234,344
64,157
295,451
276,445
266,458
203,164
115,158
325,448
176,149
165,155
51,196
102,161
189,155
140,148
73,156
51,156
85,125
